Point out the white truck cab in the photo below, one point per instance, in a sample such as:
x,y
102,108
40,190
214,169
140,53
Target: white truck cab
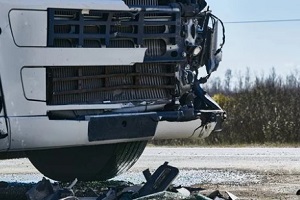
x,y
85,84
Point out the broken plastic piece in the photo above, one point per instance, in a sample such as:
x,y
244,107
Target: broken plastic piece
x,y
232,196
72,184
215,194
147,174
202,197
44,190
132,189
40,191
110,195
162,195
159,181
184,192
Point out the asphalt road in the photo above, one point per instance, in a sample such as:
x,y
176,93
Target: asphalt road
x,y
262,159
256,173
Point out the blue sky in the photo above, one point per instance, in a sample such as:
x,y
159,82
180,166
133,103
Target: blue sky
x,y
259,46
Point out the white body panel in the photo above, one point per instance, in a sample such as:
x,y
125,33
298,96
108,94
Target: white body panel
x,y
40,132
72,4
177,130
27,23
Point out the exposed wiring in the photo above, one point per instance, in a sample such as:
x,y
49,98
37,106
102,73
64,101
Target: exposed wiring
x,y
197,130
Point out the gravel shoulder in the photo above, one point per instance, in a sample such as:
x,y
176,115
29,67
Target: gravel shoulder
x,y
250,173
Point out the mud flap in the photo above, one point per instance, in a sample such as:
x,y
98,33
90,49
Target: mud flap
x,y
122,126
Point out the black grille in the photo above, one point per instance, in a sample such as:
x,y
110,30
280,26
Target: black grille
x,y
141,2
87,85
159,31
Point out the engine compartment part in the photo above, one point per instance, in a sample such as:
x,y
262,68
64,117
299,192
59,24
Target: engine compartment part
x,y
180,37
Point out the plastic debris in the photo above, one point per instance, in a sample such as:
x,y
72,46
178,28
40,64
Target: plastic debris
x,y
132,189
162,196
232,196
216,195
159,181
158,186
110,195
44,190
202,197
40,191
184,192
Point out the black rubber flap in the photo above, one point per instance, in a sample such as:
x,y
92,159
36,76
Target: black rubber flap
x,y
122,126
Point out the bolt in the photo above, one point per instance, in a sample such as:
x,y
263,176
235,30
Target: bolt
x,y
184,54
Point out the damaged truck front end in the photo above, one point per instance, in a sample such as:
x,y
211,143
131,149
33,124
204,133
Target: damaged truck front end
x,y
179,38
94,81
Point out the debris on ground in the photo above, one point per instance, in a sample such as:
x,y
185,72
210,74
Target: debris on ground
x,y
44,190
158,186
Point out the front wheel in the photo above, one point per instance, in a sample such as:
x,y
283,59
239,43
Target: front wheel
x,y
88,163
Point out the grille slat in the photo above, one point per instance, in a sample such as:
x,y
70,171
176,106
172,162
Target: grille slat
x,y
80,85
155,47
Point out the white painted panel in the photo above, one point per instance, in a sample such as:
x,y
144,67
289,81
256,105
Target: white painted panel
x,y
190,129
40,132
34,83
29,28
69,4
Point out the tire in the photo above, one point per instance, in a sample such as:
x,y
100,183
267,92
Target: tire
x,y
87,163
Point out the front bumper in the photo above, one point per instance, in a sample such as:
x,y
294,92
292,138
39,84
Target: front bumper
x,y
42,133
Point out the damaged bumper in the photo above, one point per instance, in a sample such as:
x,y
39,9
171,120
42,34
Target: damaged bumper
x,y
155,125
112,128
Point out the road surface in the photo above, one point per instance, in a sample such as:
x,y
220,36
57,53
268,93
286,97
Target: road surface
x,y
251,173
